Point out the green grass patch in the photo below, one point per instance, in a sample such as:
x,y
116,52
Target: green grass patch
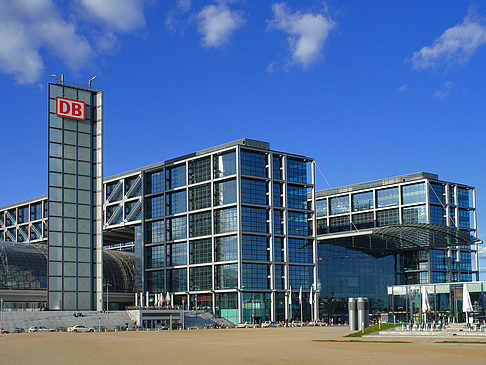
x,y
478,342
373,329
361,341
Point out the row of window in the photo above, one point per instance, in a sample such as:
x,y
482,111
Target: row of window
x,y
414,193
254,276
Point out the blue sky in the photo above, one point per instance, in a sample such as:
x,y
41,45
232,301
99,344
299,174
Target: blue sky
x,y
370,89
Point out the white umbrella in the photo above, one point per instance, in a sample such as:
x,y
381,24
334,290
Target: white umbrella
x,y
425,303
167,298
466,302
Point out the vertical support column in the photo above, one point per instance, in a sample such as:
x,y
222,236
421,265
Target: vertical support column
x,y
286,241
475,225
315,298
239,222
271,238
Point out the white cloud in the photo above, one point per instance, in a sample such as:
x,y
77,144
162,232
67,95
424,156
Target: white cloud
x,y
26,27
216,23
307,32
455,46
402,88
173,21
122,15
444,91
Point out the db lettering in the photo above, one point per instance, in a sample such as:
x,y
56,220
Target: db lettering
x,y
68,108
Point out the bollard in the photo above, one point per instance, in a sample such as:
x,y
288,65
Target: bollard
x,y
353,314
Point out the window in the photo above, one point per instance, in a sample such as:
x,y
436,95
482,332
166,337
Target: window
x,y
225,164
363,220
362,201
156,281
279,277
225,220
277,167
277,195
465,218
339,205
414,214
278,222
296,197
254,219
156,232
200,224
339,224
175,176
387,217
176,254
176,228
300,250
201,278
175,202
226,276
300,276
437,215
414,193
155,207
254,192
256,276
463,198
225,192
253,163
200,251
296,170
199,170
437,193
177,280
321,208
200,197
387,197
278,249
226,248
255,248
155,257
155,182
322,227
298,225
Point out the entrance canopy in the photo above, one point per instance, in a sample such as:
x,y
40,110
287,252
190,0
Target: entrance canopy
x,y
399,238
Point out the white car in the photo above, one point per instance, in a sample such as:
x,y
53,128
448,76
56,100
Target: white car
x,y
246,325
41,329
80,328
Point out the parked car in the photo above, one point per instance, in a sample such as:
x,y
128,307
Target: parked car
x,y
296,324
266,324
19,330
246,325
41,329
80,328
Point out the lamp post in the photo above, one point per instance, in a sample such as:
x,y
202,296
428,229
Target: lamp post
x,y
107,285
1,316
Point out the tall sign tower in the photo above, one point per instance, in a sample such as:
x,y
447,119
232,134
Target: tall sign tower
x,y
75,181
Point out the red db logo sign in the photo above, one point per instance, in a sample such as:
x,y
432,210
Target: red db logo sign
x,y
69,108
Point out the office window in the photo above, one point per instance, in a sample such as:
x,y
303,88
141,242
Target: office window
x,y
414,214
362,201
156,281
278,249
201,278
296,170
225,164
296,197
253,163
387,217
175,202
155,257
437,193
225,220
300,276
279,277
322,227
177,280
199,170
321,208
200,224
156,232
300,250
256,276
175,176
277,195
297,224
226,276
226,248
177,254
176,228
463,197
339,205
155,182
277,167
387,197
465,218
255,248
437,215
254,219
339,224
155,207
414,193
200,251
278,222
363,220
225,192
254,192
200,197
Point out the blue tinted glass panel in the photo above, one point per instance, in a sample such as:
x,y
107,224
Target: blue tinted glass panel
x,y
414,193
254,192
253,163
296,170
339,205
387,197
255,248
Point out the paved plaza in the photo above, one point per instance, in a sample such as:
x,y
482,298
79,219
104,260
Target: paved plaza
x,y
258,346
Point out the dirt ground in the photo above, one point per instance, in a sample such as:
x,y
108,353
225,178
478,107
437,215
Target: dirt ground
x,y
258,346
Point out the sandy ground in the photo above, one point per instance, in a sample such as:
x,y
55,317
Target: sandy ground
x,y
257,346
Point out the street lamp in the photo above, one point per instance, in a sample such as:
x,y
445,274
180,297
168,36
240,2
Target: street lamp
x,y
107,285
